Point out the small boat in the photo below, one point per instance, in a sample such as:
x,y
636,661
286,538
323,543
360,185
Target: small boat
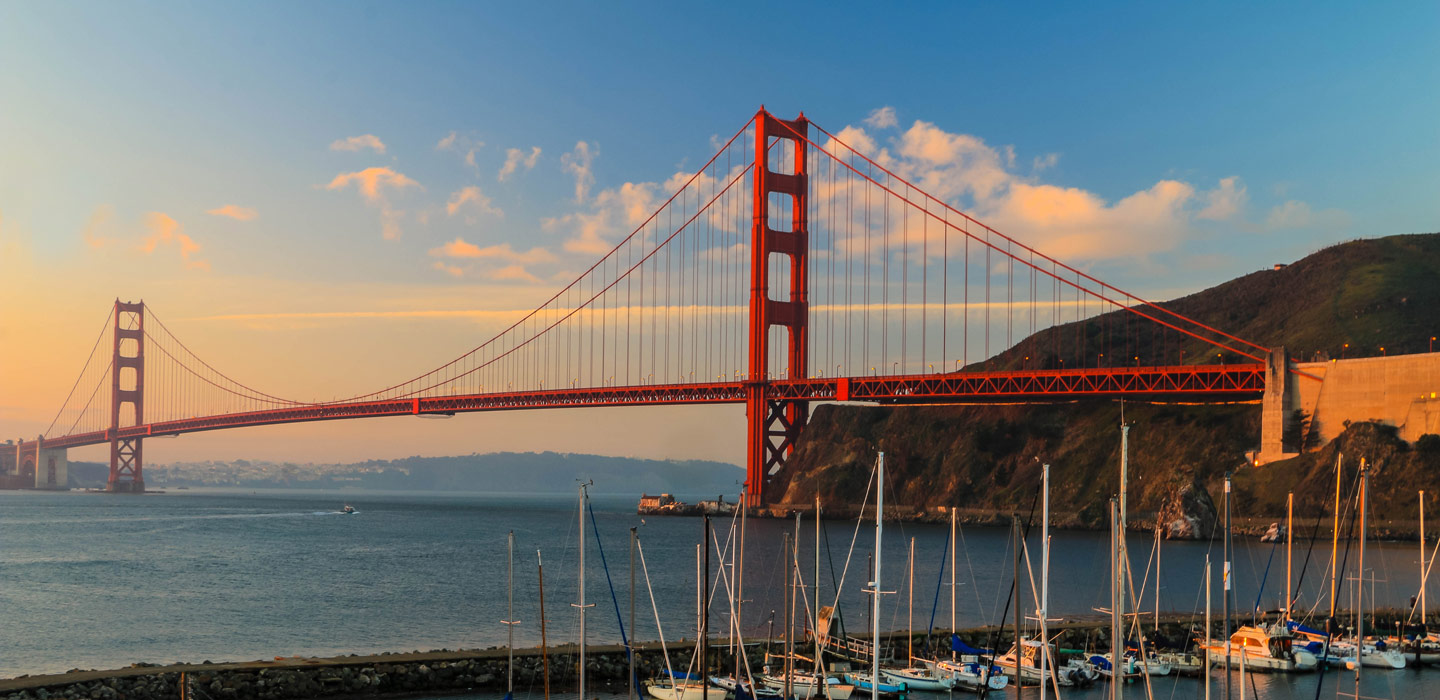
x,y
348,510
1129,668
1075,672
1182,663
743,688
1263,649
803,686
864,681
971,675
670,689
919,678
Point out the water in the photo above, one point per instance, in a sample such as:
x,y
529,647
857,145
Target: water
x,y
100,581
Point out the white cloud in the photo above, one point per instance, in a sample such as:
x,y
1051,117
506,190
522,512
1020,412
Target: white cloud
x,y
358,143
166,231
1296,214
452,270
515,157
1226,201
1044,162
513,273
372,183
1067,222
883,118
577,163
235,212
462,144
460,248
475,198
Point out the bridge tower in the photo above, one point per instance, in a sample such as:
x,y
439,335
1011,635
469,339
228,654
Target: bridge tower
x,y
772,427
127,388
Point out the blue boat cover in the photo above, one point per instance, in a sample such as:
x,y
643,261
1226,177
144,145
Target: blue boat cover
x,y
685,676
960,647
1315,648
1297,627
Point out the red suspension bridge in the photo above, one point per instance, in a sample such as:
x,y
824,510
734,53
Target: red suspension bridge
x,y
790,268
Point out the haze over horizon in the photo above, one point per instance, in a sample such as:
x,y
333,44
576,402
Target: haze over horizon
x,y
324,199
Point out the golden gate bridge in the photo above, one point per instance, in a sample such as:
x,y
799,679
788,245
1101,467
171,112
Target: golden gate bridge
x,y
791,268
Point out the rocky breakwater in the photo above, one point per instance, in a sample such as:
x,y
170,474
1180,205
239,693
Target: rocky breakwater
x,y
386,674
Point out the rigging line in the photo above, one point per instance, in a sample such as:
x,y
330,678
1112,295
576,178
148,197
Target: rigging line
x,y
150,313
595,528
207,380
1113,302
83,368
583,275
939,579
942,203
659,631
93,393
583,305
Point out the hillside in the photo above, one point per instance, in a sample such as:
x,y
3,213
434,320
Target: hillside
x,y
1371,293
1366,293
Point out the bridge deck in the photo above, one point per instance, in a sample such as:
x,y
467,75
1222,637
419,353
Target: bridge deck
x,y
1241,381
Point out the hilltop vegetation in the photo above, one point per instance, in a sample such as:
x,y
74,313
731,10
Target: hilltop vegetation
x,y
1367,293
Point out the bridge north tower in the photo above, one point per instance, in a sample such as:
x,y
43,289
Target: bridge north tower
x,y
772,427
127,397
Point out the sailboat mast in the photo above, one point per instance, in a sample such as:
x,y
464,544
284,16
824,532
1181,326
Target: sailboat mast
x,y
1206,673
1122,554
630,652
1157,576
910,610
875,583
952,577
819,650
510,615
789,620
1116,647
544,648
1289,543
1360,578
1225,588
704,616
581,605
1422,557
1015,590
740,590
1335,536
1044,580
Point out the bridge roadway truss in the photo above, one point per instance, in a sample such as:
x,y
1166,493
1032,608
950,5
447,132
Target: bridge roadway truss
x,y
1199,382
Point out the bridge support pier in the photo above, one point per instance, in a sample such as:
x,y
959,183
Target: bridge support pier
x,y
766,420
127,398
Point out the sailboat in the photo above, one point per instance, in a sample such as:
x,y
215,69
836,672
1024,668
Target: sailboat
x,y
695,686
1255,647
872,680
968,671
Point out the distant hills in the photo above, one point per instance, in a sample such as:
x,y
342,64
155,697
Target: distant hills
x,y
502,472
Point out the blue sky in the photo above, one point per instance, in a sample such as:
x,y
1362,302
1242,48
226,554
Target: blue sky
x,y
1323,113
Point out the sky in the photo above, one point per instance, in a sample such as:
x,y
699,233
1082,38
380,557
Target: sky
x,y
267,176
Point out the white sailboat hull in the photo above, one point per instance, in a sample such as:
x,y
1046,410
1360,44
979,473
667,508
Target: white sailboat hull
x,y
686,691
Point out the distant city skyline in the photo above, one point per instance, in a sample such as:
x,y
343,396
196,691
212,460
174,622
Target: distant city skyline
x,y
323,199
